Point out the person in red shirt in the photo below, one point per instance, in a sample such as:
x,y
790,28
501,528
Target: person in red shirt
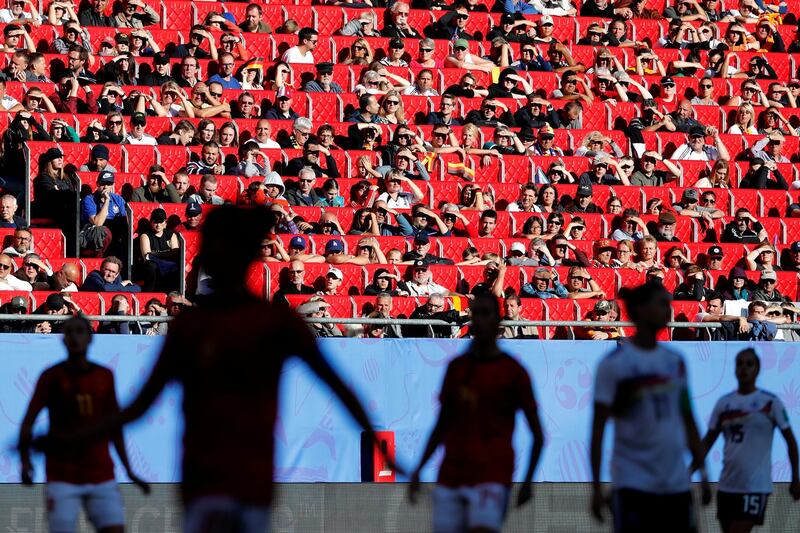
x,y
481,393
77,392
228,353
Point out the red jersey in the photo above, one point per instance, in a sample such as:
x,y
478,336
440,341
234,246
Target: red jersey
x,y
482,396
228,355
76,398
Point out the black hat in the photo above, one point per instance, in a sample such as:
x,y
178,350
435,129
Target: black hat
x,y
420,263
161,58
697,131
193,209
667,80
158,215
105,178
422,237
52,153
122,38
584,189
99,151
507,18
325,67
55,302
139,119
396,43
715,251
527,135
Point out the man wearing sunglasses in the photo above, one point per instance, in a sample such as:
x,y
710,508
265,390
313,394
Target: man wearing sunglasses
x,y
705,93
323,83
93,15
312,149
197,35
307,40
9,282
452,26
767,290
647,175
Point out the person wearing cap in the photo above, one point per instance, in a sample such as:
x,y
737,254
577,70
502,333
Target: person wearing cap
x,y
694,285
160,72
399,27
763,257
55,304
462,58
452,26
737,285
744,229
193,218
18,305
323,82
647,174
545,285
137,135
603,254
689,206
767,290
713,258
334,254
420,250
770,148
664,229
104,207
332,282
421,282
791,258
584,200
158,254
509,29
604,310
696,149
282,109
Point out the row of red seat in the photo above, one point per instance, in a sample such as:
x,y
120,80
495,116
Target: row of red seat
x,y
90,303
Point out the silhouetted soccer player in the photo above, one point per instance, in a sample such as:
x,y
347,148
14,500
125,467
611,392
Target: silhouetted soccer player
x,y
77,393
480,396
747,417
228,354
643,386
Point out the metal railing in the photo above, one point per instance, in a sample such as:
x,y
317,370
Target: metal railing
x,y
382,321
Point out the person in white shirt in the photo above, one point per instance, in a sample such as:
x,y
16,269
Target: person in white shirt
x,y
395,197
16,13
526,202
307,41
696,149
137,134
8,282
747,418
643,386
421,282
264,133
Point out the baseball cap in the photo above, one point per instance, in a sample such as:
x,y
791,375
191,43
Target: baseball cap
x,y
769,275
599,160
738,272
691,194
667,218
105,178
796,246
158,215
667,80
422,238
326,67
584,189
776,136
161,58
420,263
545,20
507,18
334,246
526,135
193,209
122,38
336,273
697,131
297,242
716,251
397,43
518,247
461,43
139,119
603,305
604,244
99,151
547,129
286,95
18,302
55,302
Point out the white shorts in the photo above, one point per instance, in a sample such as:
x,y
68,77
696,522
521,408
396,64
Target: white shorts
x,y
225,514
456,510
101,501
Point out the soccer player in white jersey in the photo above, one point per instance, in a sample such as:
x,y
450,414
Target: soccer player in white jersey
x,y
643,387
747,418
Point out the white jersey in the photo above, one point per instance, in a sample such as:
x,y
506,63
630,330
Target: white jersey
x,y
747,423
646,389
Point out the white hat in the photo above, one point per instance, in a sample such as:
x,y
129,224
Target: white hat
x,y
337,273
518,247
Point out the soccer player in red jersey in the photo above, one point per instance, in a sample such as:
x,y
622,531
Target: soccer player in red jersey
x,y
228,353
481,393
76,393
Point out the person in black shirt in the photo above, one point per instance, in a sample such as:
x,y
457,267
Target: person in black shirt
x,y
487,115
421,249
160,73
452,25
398,26
293,284
745,229
506,86
466,88
93,15
311,151
196,36
434,309
758,176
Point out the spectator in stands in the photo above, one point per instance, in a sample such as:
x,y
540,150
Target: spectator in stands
x,y
690,205
767,290
197,35
35,271
15,13
421,247
763,174
66,100
108,278
55,304
398,26
210,161
307,41
323,83
103,217
433,309
253,21
714,313
158,250
72,34
584,200
647,249
8,212
18,305
762,258
421,282
138,136
745,228
312,148
674,259
317,307
694,286
382,286
581,285
647,175
225,76
120,306
193,215
37,69
628,226
488,115
21,243
603,254
160,73
791,259
206,192
98,160
132,17
207,101
512,307
560,247
332,282
293,283
13,34
334,254
452,26
696,149
664,229
604,310
737,285
93,14
8,282
361,26
181,135
770,148
282,109
303,194
541,286
526,202
180,181
536,255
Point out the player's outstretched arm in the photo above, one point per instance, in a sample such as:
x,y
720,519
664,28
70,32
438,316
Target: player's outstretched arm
x,y
601,415
696,446
35,406
791,448
526,491
434,440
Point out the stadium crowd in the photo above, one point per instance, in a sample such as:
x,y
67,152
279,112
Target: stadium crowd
x,y
414,155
